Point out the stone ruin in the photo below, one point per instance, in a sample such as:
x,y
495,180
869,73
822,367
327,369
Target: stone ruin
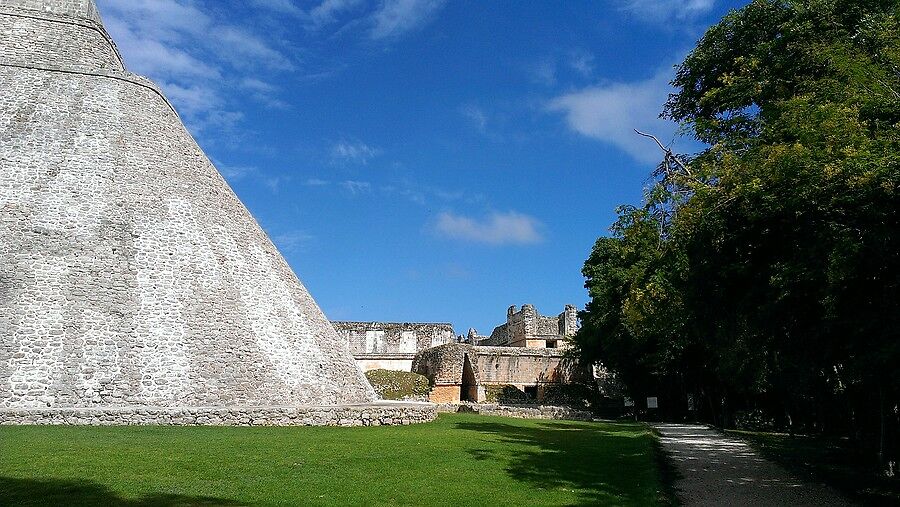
x,y
134,286
462,372
528,328
391,345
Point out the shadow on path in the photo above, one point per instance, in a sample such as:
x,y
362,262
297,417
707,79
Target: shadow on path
x,y
714,469
80,493
600,466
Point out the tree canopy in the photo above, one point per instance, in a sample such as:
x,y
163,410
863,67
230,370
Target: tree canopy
x,y
763,273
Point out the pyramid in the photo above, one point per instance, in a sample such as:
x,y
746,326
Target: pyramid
x,y
134,286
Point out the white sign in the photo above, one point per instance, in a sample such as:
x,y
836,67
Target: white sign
x,y
652,402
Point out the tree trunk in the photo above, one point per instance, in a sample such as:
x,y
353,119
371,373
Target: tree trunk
x,y
881,457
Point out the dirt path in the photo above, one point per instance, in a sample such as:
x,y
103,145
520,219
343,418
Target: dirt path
x,y
718,470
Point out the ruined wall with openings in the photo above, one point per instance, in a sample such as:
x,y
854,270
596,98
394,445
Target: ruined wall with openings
x,y
391,345
528,328
521,367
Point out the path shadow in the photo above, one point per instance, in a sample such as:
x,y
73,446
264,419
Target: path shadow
x,y
83,493
602,466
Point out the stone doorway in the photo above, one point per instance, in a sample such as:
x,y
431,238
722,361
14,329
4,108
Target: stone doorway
x,y
469,387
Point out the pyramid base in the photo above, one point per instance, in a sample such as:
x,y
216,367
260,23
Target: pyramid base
x,y
381,413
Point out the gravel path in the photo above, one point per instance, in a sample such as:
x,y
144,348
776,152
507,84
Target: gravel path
x,y
718,470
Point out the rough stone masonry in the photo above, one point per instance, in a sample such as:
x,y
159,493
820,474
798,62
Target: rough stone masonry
x,y
132,279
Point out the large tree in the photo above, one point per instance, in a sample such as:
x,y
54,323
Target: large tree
x,y
764,272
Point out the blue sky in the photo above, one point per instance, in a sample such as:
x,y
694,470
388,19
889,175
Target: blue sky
x,y
423,160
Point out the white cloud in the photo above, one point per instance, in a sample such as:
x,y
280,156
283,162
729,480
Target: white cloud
x,y
257,85
327,12
192,100
273,183
235,173
292,241
495,229
353,152
476,115
243,49
610,112
192,55
356,187
397,17
582,62
316,182
284,6
662,11
162,20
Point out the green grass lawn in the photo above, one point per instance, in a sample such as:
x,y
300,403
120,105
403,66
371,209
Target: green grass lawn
x,y
839,463
458,460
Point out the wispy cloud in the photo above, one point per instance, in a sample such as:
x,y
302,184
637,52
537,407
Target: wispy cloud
x,y
263,92
581,62
292,241
609,113
662,11
328,11
543,71
398,17
353,152
235,173
193,55
356,187
283,6
246,50
273,183
415,193
476,115
511,228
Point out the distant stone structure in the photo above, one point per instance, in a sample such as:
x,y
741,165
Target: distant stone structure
x,y
528,328
391,345
135,288
463,372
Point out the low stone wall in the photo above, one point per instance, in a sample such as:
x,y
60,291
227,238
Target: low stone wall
x,y
518,411
375,414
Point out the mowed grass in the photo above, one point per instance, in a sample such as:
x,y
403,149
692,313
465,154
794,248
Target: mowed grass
x,y
458,460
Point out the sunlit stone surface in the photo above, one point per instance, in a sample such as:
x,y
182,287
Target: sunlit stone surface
x,y
131,276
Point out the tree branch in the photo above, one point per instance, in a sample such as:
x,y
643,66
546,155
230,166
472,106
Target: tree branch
x,y
667,151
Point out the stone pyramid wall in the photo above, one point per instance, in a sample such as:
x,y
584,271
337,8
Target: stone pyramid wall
x,y
130,273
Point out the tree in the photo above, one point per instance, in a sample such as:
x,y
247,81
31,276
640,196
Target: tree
x,y
765,270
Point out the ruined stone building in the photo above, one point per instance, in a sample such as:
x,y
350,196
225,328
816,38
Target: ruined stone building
x,y
528,328
463,372
525,354
391,345
134,286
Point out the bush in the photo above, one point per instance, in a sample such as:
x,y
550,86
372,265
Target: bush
x,y
581,396
754,420
506,394
399,385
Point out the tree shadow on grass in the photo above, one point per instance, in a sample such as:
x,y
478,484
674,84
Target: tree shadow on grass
x,y
83,493
602,466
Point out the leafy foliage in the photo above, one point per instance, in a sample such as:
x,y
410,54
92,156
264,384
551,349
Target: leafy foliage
x,y
506,393
764,272
399,385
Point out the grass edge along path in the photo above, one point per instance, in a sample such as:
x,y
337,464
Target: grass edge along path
x,y
460,459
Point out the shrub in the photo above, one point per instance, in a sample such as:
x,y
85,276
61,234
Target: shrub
x,y
582,396
399,385
506,394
